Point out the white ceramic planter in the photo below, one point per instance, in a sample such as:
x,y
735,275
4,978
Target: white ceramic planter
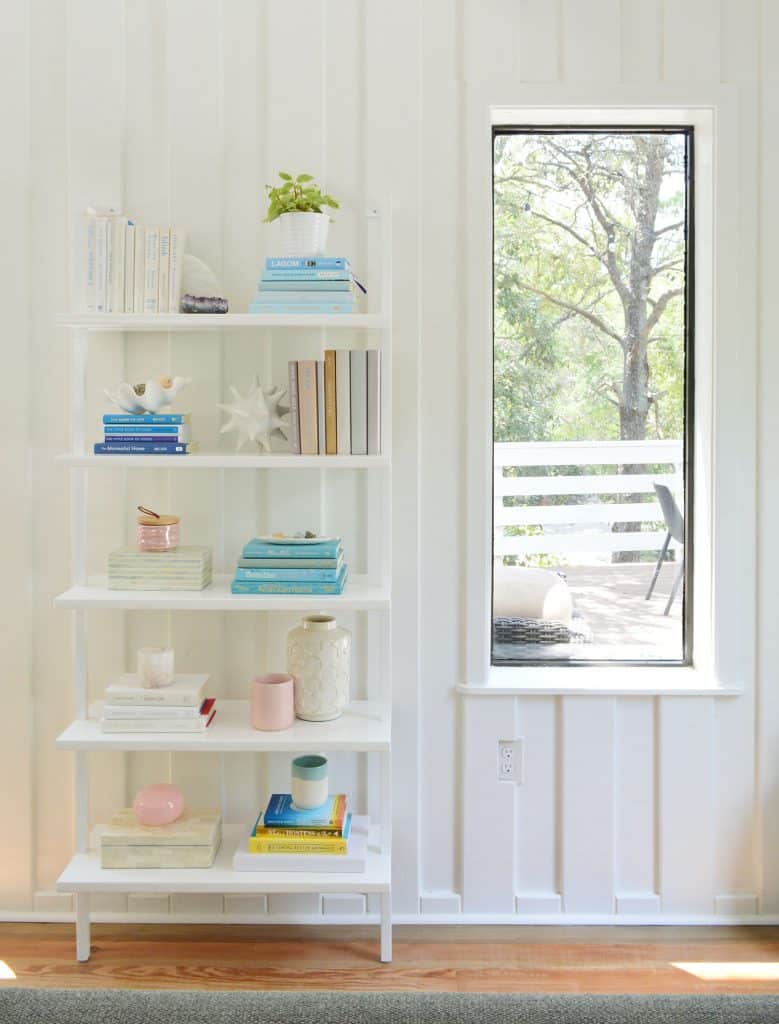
x,y
303,234
319,660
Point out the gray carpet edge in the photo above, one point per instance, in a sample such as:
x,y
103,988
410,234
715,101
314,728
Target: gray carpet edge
x,y
137,1006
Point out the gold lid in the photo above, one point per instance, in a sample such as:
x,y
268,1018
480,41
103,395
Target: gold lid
x,y
157,520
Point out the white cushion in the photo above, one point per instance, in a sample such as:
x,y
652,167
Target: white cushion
x,y
531,594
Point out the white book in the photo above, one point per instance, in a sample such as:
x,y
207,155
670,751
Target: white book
x,y
359,401
320,404
101,242
90,279
199,724
342,402
164,272
129,267
116,263
109,267
139,268
151,274
138,713
374,401
184,691
178,242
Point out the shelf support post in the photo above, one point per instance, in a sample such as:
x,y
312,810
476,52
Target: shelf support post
x,y
386,928
83,942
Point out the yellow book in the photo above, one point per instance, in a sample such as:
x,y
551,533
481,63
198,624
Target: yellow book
x,y
331,446
327,845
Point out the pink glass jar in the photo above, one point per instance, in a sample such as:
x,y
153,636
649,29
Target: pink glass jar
x,y
157,534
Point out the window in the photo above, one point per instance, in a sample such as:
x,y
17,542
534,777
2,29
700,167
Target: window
x,y
592,394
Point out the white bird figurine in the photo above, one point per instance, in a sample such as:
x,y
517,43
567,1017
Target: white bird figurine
x,y
152,396
257,416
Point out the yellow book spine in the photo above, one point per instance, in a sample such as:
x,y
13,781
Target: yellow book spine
x,y
331,447
262,844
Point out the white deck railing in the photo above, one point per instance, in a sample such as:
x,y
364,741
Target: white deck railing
x,y
585,527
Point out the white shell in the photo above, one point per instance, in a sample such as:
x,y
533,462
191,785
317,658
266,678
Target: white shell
x,y
155,396
197,278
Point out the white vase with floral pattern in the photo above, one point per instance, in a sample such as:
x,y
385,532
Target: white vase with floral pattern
x,y
319,660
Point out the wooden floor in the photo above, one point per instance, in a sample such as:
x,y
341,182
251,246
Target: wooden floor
x,y
465,959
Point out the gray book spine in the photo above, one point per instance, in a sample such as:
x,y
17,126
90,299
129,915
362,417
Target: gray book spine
x,y
359,402
320,404
374,401
294,414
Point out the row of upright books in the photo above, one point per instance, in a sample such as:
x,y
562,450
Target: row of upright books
x,y
146,434
291,565
335,403
131,267
180,707
306,284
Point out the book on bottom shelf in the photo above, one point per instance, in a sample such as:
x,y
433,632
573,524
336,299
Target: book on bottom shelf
x,y
191,841
353,861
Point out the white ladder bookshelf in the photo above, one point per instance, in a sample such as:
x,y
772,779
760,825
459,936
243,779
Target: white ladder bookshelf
x,y
365,726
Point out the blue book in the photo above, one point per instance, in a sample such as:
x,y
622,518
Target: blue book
x,y
293,308
269,295
312,284
282,813
285,575
287,548
157,417
155,438
173,429
306,263
292,587
143,448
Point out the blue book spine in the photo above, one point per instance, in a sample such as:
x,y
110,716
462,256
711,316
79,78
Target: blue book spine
x,y
292,308
157,417
142,439
260,549
306,275
282,813
141,448
143,428
266,295
242,587
304,284
288,575
306,263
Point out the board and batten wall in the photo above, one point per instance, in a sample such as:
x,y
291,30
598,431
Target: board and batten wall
x,y
660,808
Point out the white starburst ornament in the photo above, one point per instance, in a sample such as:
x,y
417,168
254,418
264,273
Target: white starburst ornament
x,y
257,416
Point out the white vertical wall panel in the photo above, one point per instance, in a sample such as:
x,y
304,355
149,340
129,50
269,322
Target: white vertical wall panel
x,y
586,750
537,798
635,796
642,40
591,34
539,40
691,36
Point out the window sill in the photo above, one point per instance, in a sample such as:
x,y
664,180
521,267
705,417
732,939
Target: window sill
x,y
608,681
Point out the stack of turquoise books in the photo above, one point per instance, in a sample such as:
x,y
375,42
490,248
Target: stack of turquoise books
x,y
291,565
306,284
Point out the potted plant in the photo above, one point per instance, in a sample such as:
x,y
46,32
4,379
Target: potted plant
x,y
297,205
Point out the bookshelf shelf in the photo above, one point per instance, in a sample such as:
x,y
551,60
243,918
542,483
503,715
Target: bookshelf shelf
x,y
96,322
224,460
364,726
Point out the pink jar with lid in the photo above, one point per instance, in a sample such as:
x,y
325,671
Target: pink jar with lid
x,y
160,533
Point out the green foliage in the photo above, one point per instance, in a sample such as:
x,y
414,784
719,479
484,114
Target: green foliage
x,y
296,195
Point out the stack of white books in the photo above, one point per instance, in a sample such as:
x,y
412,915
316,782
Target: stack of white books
x,y
188,567
179,707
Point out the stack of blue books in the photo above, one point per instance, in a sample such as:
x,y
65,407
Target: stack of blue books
x,y
146,434
291,565
305,284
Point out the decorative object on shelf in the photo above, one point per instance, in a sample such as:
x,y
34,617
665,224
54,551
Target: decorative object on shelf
x,y
297,204
191,841
309,781
291,565
306,284
258,416
201,291
155,667
272,702
146,433
153,395
159,804
154,532
319,660
186,568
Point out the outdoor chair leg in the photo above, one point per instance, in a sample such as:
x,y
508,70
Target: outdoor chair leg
x,y
674,588
658,567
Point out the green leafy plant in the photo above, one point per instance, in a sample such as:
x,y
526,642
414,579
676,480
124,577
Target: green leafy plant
x,y
296,195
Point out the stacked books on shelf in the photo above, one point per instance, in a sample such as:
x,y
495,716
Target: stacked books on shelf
x,y
191,841
188,567
285,838
182,706
131,267
291,565
335,403
306,284
146,434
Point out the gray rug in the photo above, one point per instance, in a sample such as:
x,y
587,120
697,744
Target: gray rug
x,y
107,1006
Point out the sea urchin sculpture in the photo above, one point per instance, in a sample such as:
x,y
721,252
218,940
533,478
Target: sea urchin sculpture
x,y
257,416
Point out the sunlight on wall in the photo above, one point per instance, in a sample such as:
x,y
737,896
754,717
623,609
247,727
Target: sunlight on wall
x,y
760,971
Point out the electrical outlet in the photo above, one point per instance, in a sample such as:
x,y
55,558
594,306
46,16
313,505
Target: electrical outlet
x,y
510,766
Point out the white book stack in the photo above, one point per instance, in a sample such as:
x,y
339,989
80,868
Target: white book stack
x,y
131,267
191,841
182,706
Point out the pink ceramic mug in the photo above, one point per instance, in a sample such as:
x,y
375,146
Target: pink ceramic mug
x,y
272,702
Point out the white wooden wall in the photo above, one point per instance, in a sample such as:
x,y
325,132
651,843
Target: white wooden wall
x,y
181,111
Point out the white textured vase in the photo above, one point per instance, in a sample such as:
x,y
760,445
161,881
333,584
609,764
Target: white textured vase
x,y
319,660
303,234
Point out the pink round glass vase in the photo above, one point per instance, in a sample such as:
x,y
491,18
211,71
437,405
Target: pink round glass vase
x,y
157,534
272,702
159,804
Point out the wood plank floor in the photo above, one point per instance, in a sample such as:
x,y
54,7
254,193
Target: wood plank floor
x,y
445,958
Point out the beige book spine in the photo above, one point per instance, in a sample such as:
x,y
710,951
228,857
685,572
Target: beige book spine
x,y
331,421
309,441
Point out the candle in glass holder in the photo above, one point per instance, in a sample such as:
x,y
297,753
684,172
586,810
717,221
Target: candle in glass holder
x,y
155,667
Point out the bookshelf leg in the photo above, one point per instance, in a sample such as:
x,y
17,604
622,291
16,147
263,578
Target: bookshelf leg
x,y
386,927
82,927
